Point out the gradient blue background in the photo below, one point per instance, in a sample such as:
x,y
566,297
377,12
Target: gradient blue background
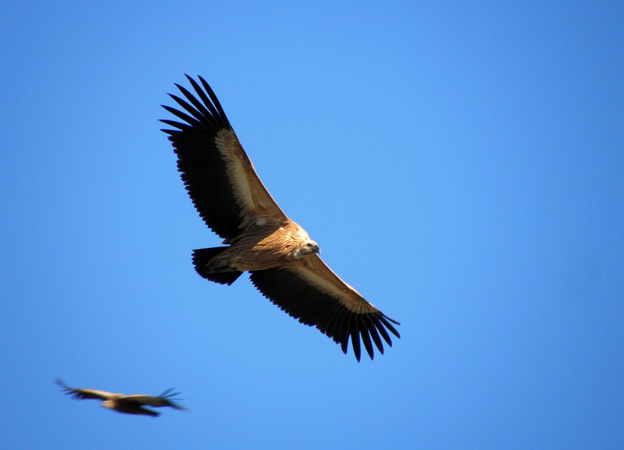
x,y
460,163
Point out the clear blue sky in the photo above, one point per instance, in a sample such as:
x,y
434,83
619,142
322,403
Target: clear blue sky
x,y
461,164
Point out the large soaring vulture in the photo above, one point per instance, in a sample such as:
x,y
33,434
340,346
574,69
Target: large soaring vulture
x,y
282,260
127,404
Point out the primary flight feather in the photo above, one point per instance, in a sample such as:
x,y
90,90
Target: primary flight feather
x,y
281,258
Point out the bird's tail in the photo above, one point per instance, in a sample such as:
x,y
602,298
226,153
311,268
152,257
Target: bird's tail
x,y
202,257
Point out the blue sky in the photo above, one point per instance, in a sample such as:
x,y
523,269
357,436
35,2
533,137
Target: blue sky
x,y
461,164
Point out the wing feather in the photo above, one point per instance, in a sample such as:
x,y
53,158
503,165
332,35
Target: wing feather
x,y
366,337
373,332
218,175
312,293
84,393
355,335
148,400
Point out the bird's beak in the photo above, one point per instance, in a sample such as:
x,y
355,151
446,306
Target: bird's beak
x,y
317,249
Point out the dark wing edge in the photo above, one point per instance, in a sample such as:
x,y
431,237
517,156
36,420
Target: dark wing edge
x,y
203,169
168,398
217,173
165,399
313,306
82,394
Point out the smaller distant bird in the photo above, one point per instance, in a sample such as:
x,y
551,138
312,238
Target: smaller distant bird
x,y
127,404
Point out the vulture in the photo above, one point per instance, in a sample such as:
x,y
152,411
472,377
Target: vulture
x,y
282,260
127,404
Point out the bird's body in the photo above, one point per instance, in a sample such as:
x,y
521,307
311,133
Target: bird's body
x,y
281,258
126,404
263,247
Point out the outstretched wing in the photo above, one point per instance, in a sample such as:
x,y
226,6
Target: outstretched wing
x,y
148,400
310,291
218,174
84,393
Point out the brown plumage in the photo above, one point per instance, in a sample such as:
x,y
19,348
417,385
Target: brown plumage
x,y
127,404
281,258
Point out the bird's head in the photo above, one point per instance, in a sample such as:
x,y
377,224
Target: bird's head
x,y
110,404
307,247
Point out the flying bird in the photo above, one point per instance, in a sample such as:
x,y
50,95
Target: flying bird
x,y
282,260
127,404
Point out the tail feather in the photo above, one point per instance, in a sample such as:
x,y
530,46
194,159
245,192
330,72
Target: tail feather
x,y
202,256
